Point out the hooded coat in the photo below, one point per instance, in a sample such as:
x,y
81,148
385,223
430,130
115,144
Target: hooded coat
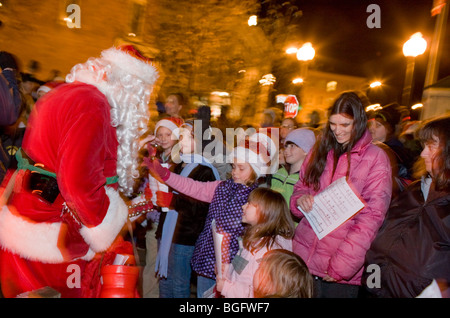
x,y
340,254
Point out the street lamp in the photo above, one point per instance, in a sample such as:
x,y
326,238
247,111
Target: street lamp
x,y
375,84
306,52
253,20
415,46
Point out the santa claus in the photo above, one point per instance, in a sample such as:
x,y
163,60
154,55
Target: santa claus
x,y
79,154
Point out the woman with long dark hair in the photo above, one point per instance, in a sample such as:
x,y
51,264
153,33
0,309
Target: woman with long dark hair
x,y
412,248
344,149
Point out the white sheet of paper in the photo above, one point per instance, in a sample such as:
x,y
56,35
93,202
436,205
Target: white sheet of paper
x,y
217,238
120,259
332,207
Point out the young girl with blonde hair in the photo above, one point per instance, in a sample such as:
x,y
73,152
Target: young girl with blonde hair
x,y
270,226
282,274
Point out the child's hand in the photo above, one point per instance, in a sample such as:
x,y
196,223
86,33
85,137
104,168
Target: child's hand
x,y
305,202
329,279
146,140
155,169
219,284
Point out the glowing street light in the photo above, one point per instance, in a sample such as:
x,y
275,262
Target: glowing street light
x,y
306,52
291,50
418,105
253,20
297,80
415,46
373,107
375,84
267,79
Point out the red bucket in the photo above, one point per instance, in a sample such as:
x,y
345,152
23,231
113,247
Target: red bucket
x,y
119,281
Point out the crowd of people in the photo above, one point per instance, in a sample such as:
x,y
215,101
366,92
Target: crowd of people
x,y
89,175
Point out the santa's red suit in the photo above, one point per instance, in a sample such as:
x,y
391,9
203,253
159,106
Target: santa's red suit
x,y
71,135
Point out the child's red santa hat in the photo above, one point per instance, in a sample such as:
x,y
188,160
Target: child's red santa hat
x,y
172,123
260,151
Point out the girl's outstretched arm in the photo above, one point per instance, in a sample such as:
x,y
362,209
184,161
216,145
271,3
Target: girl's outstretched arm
x,y
202,191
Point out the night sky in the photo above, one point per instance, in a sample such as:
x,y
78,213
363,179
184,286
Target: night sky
x,y
345,44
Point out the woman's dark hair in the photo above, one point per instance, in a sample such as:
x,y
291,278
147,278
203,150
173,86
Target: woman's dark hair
x,y
350,104
439,127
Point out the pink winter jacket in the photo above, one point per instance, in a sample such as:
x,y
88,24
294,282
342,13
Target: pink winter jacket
x,y
240,285
341,253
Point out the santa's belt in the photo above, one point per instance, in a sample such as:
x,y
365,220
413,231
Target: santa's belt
x,y
43,182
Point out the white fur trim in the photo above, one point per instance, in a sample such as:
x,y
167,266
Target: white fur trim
x,y
169,125
243,154
38,241
103,235
131,65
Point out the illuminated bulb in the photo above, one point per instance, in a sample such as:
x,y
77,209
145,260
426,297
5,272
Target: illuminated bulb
x,y
291,50
253,20
415,46
306,52
375,84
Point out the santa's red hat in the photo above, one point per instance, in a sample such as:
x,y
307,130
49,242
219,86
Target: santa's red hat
x,y
131,61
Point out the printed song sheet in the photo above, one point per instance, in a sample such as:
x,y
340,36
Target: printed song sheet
x,y
332,207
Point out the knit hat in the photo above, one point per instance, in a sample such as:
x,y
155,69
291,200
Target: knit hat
x,y
260,152
302,137
389,115
172,123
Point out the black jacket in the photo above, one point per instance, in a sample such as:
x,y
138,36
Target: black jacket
x,y
191,213
413,246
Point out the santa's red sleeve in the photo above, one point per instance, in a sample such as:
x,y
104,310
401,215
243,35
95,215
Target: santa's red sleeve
x,y
81,158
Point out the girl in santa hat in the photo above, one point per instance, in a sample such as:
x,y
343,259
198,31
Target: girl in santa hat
x,y
226,198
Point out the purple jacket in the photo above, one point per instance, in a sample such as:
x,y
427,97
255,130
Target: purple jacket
x,y
341,253
226,198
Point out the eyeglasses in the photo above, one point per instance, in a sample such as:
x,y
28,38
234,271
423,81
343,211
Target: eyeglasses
x,y
287,127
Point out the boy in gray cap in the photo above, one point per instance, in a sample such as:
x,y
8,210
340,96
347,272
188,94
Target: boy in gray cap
x,y
296,146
